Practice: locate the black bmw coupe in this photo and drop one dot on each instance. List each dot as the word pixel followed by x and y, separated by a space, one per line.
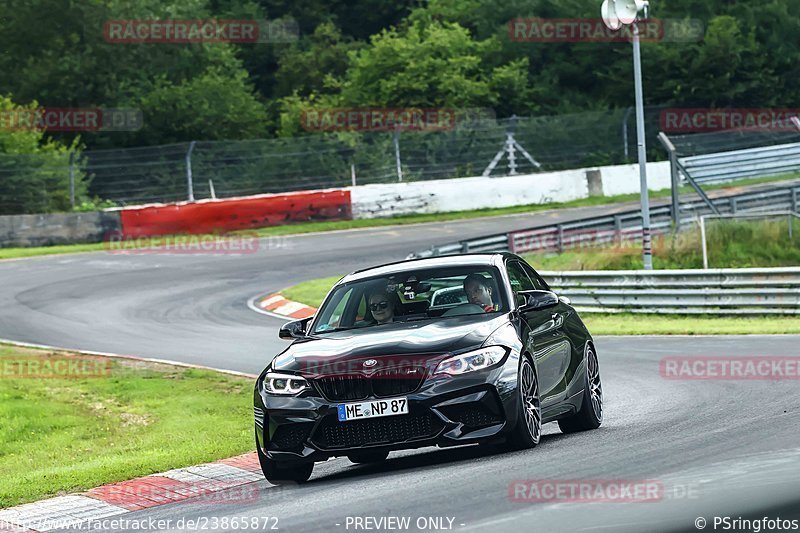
pixel 431 352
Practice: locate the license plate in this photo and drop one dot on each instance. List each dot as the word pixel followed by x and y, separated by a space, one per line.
pixel 374 409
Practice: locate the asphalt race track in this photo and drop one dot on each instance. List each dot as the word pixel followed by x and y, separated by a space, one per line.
pixel 715 447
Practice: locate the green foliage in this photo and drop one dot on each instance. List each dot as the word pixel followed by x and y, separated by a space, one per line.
pixel 95 204
pixel 216 105
pixel 34 175
pixel 407 53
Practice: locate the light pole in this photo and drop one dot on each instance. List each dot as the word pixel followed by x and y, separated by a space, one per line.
pixel 617 13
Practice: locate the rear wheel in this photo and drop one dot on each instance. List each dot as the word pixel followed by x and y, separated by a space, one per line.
pixel 368 456
pixel 590 414
pixel 528 430
pixel 279 474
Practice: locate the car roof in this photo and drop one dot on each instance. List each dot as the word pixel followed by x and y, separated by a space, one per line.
pixel 487 259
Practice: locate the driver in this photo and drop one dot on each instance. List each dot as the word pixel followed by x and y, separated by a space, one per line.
pixel 381 306
pixel 479 292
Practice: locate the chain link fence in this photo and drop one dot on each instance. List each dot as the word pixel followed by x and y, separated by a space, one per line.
pixel 223 169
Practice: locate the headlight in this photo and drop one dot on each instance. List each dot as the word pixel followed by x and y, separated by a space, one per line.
pixel 284 384
pixel 471 361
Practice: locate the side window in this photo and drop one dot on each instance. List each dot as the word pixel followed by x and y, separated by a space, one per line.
pixel 334 318
pixel 537 280
pixel 519 279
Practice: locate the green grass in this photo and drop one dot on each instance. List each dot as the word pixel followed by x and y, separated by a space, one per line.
pixel 65 434
pixel 635 324
pixel 310 292
pixel 16 253
pixel 731 244
pixel 314 227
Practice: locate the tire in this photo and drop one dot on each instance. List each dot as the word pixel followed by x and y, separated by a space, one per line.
pixel 528 430
pixel 278 474
pixel 368 456
pixel 590 414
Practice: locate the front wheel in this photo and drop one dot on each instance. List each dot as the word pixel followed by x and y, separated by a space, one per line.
pixel 590 414
pixel 279 474
pixel 528 430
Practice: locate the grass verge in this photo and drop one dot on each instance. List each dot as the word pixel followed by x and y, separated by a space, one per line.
pixel 314 227
pixel 72 432
pixel 731 244
pixel 642 324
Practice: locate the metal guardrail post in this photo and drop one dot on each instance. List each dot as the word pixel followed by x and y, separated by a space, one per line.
pixel 72 180
pixel 699 190
pixel 189 184
pixel 464 247
pixel 733 205
pixel 618 230
pixel 397 153
pixel 795 194
pixel 560 239
pixel 675 178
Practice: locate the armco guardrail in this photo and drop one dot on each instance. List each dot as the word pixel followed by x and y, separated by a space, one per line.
pixel 621 226
pixel 750 163
pixel 745 291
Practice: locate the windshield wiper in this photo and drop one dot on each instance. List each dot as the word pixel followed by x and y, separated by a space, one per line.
pixel 418 318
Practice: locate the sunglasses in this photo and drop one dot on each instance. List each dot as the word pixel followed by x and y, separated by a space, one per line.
pixel 379 305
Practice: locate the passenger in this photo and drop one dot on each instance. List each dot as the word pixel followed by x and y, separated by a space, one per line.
pixel 479 292
pixel 381 306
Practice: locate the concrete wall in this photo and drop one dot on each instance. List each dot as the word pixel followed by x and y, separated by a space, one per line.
pixel 372 201
pixel 56 228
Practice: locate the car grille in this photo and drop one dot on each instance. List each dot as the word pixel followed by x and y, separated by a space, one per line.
pixel 382 384
pixel 389 430
pixel 344 387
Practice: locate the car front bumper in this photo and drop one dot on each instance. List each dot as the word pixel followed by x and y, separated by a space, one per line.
pixel 443 411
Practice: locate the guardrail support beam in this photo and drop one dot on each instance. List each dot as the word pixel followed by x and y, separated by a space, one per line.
pixel 675 178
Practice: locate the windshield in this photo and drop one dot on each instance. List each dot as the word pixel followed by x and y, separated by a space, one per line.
pixel 429 294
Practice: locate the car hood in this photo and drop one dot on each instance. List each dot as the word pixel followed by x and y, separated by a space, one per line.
pixel 425 339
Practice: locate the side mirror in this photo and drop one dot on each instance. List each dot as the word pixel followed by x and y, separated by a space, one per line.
pixel 535 300
pixel 295 329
